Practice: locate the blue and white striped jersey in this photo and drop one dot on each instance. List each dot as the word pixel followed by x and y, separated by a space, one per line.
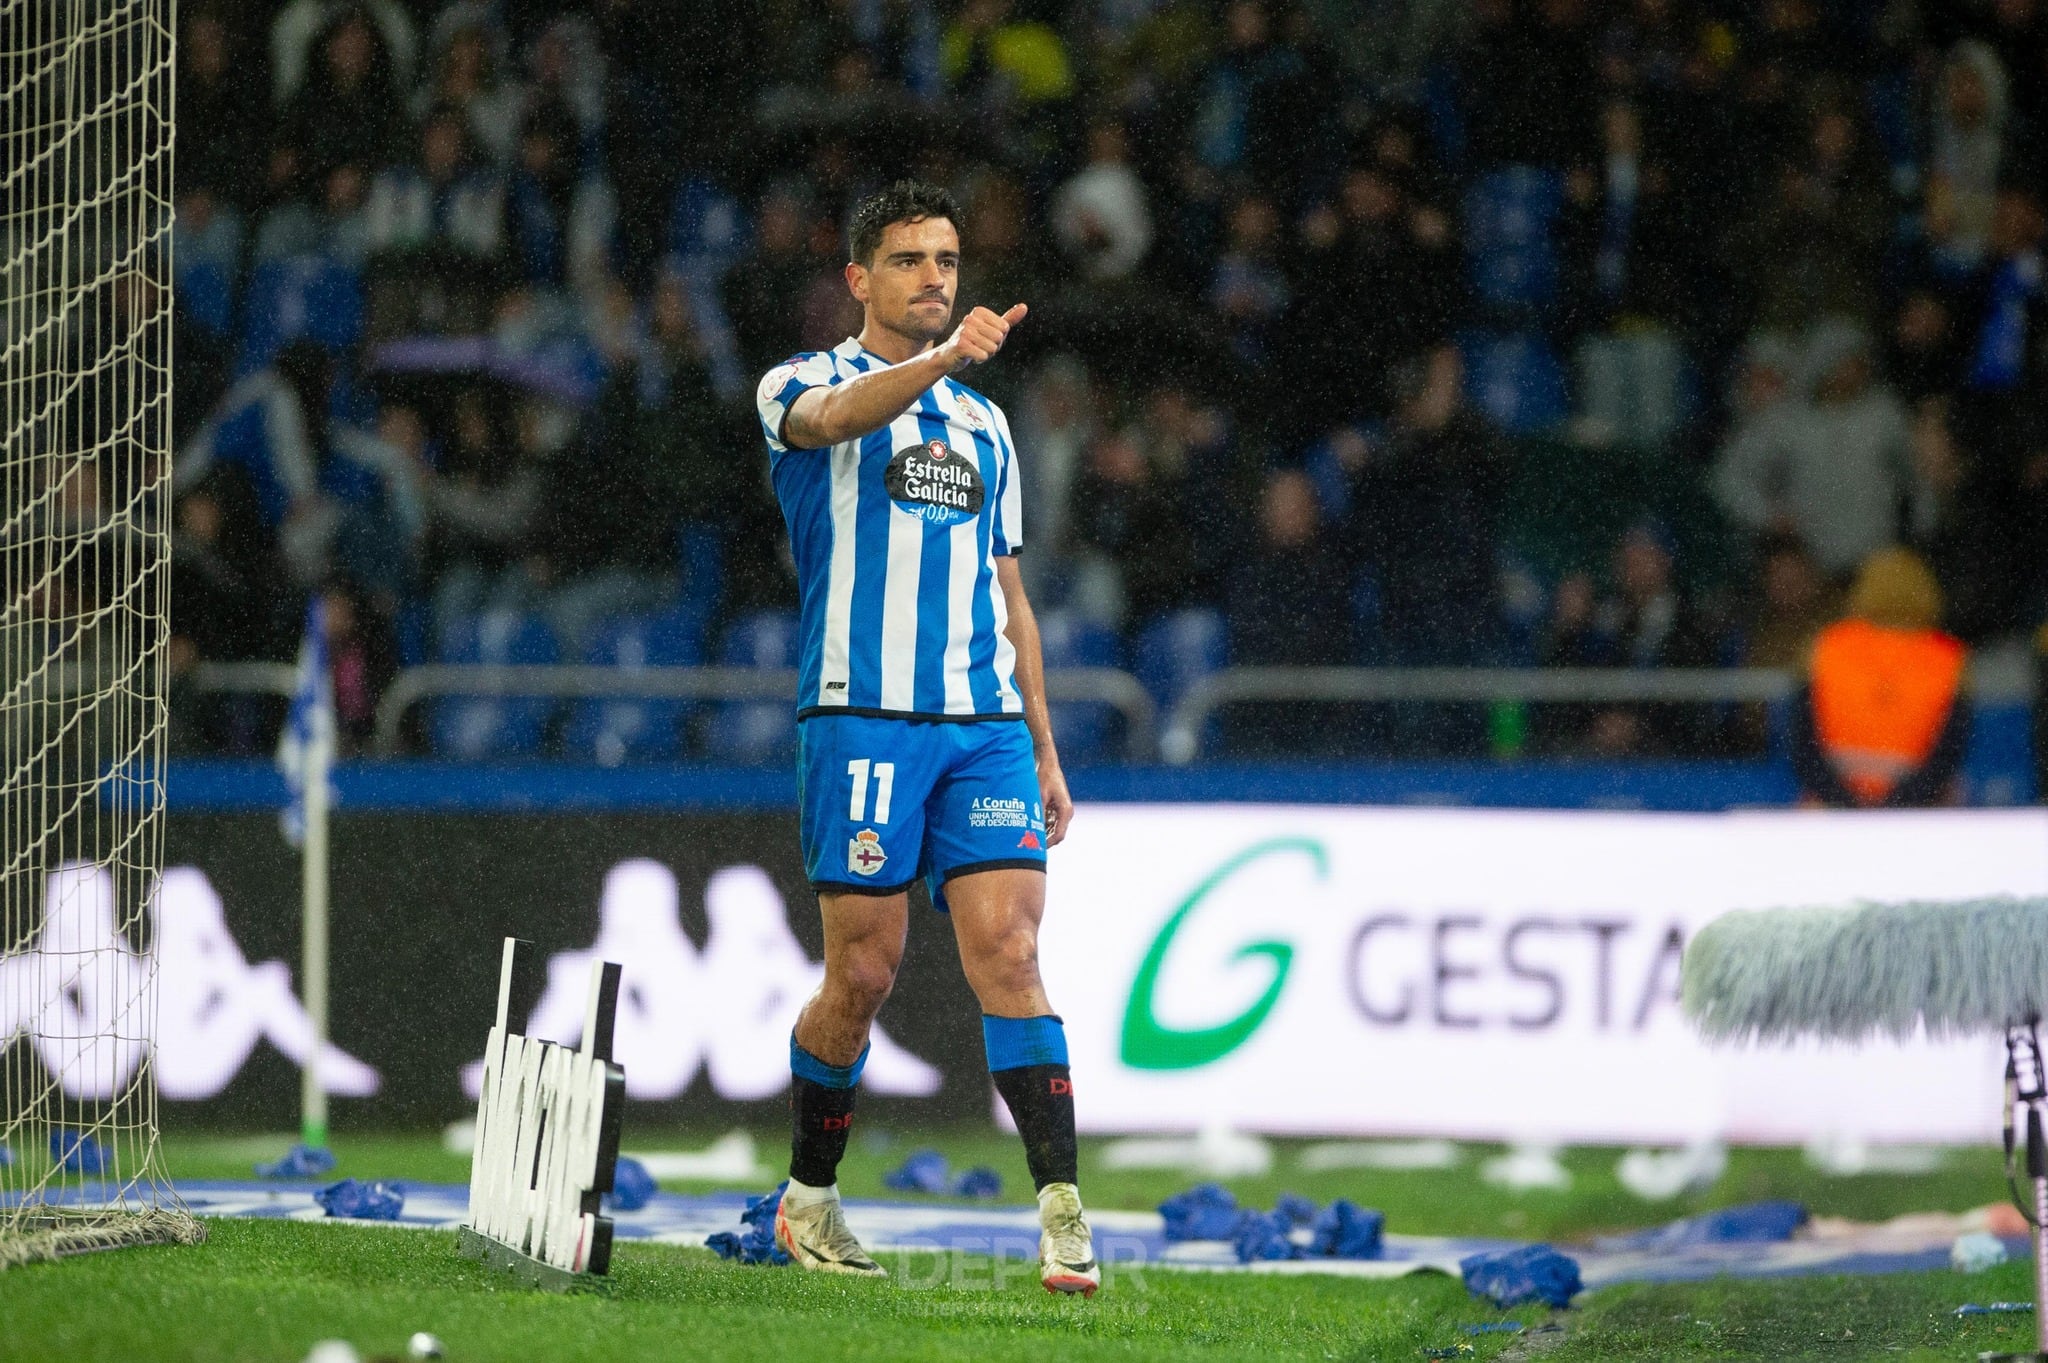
pixel 896 537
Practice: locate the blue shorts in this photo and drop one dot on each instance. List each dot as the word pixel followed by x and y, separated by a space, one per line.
pixel 886 801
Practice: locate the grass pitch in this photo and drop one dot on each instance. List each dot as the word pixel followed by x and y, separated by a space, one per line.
pixel 268 1290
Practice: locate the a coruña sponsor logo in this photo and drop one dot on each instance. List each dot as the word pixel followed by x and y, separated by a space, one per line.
pixel 935 482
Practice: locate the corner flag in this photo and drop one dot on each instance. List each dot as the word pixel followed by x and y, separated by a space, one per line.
pixel 305 750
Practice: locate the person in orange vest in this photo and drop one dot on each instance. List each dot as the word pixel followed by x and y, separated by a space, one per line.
pixel 1882 721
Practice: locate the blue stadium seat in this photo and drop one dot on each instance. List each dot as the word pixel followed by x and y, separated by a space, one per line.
pixel 206 291
pixel 299 296
pixel 707 227
pixel 1083 729
pixel 1174 651
pixel 1178 649
pixel 757 731
pixel 1515 378
pixel 1511 257
pixel 474 727
pixel 700 554
pixel 613 731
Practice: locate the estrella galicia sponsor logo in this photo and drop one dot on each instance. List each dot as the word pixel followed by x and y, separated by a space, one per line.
pixel 1148 1043
pixel 935 482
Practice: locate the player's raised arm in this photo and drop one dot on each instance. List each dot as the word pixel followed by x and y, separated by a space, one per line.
pixel 847 411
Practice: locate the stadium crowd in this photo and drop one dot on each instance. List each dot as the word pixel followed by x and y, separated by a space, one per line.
pixel 1380 331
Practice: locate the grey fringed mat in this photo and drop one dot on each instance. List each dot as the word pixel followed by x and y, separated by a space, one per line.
pixel 1952 968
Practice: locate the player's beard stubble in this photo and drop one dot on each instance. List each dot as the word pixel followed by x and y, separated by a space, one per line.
pixel 922 323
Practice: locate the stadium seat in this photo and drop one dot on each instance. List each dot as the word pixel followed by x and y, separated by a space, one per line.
pixel 700 554
pixel 299 296
pixel 707 227
pixel 474 727
pixel 1178 649
pixel 1174 651
pixel 1083 729
pixel 616 730
pixel 1511 257
pixel 757 731
pixel 206 291
pixel 1515 378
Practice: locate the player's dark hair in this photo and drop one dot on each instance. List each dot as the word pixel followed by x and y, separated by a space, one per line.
pixel 904 201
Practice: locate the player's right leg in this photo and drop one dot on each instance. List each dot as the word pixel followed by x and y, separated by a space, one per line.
pixel 862 797
pixel 864 937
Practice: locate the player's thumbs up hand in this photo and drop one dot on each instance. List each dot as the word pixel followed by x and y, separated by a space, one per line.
pixel 981 334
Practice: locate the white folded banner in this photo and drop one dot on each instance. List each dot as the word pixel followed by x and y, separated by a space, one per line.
pixel 1486 974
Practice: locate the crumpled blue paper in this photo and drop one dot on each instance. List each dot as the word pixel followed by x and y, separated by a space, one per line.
pixel 1206 1211
pixel 1263 1235
pixel 363 1201
pixel 301 1161
pixel 1494 1327
pixel 1752 1223
pixel 632 1186
pixel 1530 1273
pixel 925 1171
pixel 1997 1308
pixel 756 1244
pixel 1345 1230
pixel 77 1152
pixel 980 1181
pixel 6 1157
pixel 1298 1210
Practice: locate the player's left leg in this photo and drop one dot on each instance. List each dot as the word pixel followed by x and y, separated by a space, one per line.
pixel 996 915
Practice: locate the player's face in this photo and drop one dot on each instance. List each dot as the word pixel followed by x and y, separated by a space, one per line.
pixel 909 285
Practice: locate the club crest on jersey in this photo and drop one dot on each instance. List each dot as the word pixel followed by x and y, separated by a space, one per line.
pixel 864 854
pixel 969 413
pixel 935 482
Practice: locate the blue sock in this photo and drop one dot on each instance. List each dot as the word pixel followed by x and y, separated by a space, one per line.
pixel 820 1114
pixel 1027 1058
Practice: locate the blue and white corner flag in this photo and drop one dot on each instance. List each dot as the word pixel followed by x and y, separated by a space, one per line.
pixel 305 750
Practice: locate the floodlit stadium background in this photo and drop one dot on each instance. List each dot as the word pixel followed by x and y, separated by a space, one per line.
pixel 1494 338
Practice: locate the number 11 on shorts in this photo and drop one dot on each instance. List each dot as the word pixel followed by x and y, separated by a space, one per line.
pixel 885 784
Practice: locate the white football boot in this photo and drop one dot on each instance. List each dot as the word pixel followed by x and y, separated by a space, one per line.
pixel 1066 1249
pixel 815 1234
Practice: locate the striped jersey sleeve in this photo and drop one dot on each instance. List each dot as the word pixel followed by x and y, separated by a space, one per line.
pixel 784 384
pixel 1008 530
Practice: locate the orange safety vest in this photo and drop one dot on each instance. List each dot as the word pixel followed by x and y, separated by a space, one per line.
pixel 1880 699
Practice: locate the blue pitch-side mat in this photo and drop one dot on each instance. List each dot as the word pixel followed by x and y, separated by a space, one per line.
pixel 1124 1237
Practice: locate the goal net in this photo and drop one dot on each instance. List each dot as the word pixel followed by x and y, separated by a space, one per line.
pixel 85 334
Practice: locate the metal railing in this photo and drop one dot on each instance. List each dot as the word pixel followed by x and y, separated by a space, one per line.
pixel 1181 742
pixel 1097 685
pixel 247 679
pixel 1178 743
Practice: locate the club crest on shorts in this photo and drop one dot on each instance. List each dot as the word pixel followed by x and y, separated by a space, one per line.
pixel 864 854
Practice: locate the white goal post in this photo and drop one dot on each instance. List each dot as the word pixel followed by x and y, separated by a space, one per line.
pixel 85 351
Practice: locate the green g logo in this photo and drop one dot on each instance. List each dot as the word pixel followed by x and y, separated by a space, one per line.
pixel 1148 1044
